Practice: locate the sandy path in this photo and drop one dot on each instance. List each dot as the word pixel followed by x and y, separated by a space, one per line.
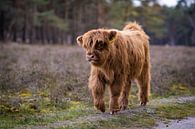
pixel 188 123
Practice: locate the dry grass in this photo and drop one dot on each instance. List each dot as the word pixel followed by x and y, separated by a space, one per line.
pixel 61 72
pixel 172 67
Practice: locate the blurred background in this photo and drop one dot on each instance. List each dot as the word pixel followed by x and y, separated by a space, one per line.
pixel 61 21
pixel 44 74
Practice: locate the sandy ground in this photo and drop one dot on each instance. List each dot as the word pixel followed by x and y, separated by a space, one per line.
pixel 188 123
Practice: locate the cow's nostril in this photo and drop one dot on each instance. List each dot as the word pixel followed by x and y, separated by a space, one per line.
pixel 92 56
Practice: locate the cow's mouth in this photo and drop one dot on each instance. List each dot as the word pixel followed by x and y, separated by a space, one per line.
pixel 94 61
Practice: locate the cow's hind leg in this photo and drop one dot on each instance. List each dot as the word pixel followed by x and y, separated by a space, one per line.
pixel 144 86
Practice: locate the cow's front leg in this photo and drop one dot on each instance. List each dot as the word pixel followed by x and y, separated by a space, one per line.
pixel 114 96
pixel 98 96
pixel 97 87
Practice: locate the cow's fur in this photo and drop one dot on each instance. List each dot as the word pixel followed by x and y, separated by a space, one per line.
pixel 117 58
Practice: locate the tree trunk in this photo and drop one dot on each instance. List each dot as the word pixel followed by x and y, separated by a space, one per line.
pixel 2 17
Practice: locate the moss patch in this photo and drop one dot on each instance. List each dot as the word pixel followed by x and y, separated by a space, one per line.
pixel 181 89
pixel 176 89
pixel 46 115
pixel 176 111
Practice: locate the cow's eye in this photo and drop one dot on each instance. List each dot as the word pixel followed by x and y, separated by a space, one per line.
pixel 100 45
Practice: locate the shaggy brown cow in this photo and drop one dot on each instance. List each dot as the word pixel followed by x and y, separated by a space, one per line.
pixel 117 58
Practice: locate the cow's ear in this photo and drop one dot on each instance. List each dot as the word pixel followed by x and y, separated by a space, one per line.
pixel 80 40
pixel 112 35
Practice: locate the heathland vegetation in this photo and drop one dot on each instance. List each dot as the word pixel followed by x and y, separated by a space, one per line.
pixel 45 84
